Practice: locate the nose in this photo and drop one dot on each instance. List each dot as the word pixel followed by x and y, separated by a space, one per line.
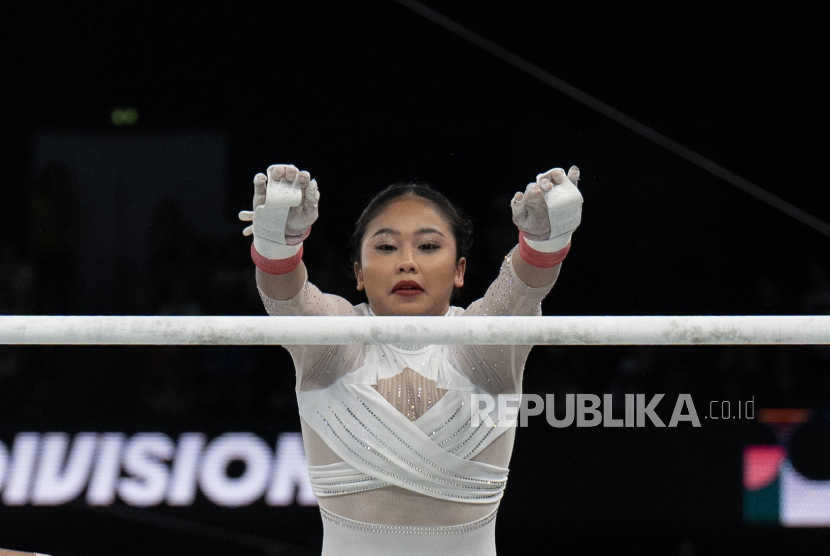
pixel 406 263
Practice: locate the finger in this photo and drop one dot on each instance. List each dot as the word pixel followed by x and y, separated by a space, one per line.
pixel 552 174
pixel 312 194
pixel 545 184
pixel 260 183
pixel 304 178
pixel 246 215
pixel 276 171
pixel 517 205
pixel 291 173
pixel 248 231
pixel 260 190
pixel 557 176
pixel 533 193
pixel 573 174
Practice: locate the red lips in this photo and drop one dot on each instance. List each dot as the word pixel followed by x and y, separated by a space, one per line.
pixel 407 287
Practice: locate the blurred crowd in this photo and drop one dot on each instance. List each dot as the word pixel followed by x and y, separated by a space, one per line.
pixel 193 275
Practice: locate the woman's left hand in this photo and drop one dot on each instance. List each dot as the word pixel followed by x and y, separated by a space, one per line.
pixel 550 207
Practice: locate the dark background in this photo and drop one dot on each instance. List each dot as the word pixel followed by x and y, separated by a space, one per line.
pixel 365 94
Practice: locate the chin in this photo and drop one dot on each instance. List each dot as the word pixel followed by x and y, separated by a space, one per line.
pixel 412 312
pixel 404 309
pixel 419 311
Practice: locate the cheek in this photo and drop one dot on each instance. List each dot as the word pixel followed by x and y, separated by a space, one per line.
pixel 368 265
pixel 445 268
pixel 371 269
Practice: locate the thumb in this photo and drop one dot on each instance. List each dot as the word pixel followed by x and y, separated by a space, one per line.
pixel 573 174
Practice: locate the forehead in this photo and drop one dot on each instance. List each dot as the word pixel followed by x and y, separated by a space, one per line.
pixel 410 213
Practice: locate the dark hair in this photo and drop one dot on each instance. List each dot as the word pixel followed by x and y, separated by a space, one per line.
pixel 461 224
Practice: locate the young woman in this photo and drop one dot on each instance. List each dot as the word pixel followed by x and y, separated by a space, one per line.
pixel 395 459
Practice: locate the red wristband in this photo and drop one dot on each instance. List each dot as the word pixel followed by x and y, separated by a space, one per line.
pixel 276 266
pixel 538 258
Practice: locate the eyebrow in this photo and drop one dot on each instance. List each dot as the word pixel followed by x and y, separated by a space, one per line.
pixel 422 231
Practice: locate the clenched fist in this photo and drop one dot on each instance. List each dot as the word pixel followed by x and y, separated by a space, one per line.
pixel 285 207
pixel 550 209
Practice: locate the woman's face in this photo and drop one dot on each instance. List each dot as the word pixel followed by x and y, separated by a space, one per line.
pixel 407 261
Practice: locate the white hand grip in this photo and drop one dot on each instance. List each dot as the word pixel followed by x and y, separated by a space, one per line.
pixel 564 203
pixel 280 196
pixel 281 192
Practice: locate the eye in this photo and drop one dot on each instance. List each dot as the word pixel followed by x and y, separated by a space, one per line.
pixel 429 246
pixel 385 247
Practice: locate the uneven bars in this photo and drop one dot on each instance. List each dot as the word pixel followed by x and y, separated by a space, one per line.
pixel 638 330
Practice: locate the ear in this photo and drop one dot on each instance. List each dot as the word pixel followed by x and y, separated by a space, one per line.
pixel 358 274
pixel 460 268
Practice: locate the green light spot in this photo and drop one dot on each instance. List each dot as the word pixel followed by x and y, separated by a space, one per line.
pixel 124 116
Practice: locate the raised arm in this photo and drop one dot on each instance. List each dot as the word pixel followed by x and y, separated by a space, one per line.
pixel 284 208
pixel 279 227
pixel 546 214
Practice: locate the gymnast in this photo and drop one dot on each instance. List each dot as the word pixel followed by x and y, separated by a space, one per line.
pixel 393 457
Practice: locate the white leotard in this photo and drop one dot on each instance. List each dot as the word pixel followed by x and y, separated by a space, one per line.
pixel 393 457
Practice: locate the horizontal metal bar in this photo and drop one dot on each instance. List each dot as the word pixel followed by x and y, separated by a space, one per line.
pixel 653 330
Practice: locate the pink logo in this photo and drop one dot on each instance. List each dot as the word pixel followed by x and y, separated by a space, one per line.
pixel 761 465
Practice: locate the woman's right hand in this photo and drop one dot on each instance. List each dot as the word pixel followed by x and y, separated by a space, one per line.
pixel 284 208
